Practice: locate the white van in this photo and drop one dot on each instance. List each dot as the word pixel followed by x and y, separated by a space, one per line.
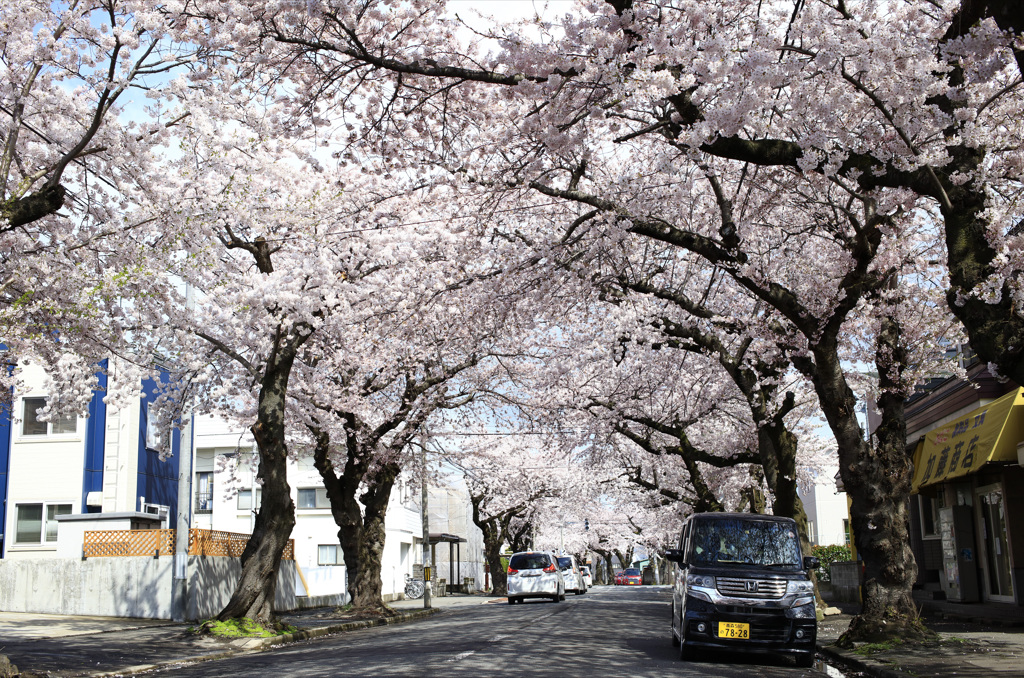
pixel 534 574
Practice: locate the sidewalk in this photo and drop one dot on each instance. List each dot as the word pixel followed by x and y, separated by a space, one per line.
pixel 65 646
pixel 973 640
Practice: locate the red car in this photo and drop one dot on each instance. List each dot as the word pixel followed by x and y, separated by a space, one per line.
pixel 618 577
pixel 632 577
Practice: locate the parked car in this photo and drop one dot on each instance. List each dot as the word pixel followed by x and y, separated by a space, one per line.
pixel 618 576
pixel 534 574
pixel 571 572
pixel 743 585
pixel 587 577
pixel 631 577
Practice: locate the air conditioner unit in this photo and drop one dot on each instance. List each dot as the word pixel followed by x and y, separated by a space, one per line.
pixel 158 510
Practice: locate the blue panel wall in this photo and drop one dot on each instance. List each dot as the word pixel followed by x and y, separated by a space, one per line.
pixel 5 466
pixel 158 480
pixel 95 441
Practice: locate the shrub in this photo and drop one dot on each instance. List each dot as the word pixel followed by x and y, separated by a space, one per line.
pixel 828 555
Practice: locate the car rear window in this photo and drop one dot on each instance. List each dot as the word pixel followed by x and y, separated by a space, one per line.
pixel 529 561
pixel 565 563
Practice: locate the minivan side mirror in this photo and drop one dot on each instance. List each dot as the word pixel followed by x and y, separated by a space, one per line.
pixel 811 562
pixel 675 556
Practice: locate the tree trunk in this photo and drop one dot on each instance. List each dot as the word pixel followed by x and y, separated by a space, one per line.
pixel 261 560
pixel 994 328
pixel 880 521
pixel 878 484
pixel 362 535
pixel 493 538
pixel 20 211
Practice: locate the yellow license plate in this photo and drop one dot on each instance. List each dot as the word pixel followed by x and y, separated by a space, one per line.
pixel 734 630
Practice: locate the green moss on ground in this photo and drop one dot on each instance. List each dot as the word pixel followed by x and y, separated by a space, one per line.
pixel 241 628
pixel 868 649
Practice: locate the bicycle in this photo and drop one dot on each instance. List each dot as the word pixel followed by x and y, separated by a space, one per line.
pixel 413 587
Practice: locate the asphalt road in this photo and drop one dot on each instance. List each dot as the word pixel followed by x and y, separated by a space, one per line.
pixel 610 631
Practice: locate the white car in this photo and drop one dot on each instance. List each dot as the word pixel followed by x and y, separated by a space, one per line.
pixel 534 574
pixel 573 577
pixel 587 577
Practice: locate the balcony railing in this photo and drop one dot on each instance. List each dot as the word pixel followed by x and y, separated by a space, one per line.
pixel 204 502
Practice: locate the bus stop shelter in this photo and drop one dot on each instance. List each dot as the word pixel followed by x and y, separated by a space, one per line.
pixel 454 542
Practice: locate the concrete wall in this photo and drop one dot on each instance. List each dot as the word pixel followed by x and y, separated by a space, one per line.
pixel 112 587
pixel 126 587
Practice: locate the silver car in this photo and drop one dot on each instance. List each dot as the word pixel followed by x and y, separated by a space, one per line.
pixel 587 577
pixel 534 574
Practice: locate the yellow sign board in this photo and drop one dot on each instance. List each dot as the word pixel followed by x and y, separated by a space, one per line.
pixel 961 447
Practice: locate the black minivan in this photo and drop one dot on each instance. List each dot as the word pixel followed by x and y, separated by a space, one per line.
pixel 743 585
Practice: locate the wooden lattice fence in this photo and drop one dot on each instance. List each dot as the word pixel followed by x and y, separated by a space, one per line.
pixel 116 543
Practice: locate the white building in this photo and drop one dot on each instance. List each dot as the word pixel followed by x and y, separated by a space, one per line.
pixel 223 488
pixel 827 512
pixel 451 517
pixel 103 462
pixel 100 461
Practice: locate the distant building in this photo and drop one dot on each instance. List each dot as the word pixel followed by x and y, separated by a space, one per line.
pixel 827 512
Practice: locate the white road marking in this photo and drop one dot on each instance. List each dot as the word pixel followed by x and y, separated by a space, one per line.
pixel 461 655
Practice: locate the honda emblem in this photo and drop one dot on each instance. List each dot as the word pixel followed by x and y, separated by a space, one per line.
pixel 751 586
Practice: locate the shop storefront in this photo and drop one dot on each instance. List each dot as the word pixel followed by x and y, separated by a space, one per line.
pixel 968 504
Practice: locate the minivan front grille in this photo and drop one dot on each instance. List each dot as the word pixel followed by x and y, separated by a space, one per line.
pixel 751 588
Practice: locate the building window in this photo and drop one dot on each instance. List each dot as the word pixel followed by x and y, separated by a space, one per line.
pixel 846 531
pixel 313 498
pixel 204 492
pixel 929 516
pixel 330 554
pixel 157 437
pixel 32 425
pixel 30 526
pixel 245 500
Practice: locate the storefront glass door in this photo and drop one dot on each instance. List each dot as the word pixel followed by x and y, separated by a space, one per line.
pixel 996 551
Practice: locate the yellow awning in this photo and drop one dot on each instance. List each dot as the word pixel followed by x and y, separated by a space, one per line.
pixel 961 447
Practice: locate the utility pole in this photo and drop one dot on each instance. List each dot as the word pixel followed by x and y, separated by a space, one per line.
pixel 179 576
pixel 426 522
pixel 183 523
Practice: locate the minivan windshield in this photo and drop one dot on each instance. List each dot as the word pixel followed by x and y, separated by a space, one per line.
pixel 763 543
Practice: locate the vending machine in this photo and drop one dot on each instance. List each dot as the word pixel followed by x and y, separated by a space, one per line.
pixel 959 574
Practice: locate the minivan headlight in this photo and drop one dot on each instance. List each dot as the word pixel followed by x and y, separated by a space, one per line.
pixel 700 580
pixel 800 587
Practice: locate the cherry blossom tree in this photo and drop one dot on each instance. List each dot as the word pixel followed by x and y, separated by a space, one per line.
pixel 509 483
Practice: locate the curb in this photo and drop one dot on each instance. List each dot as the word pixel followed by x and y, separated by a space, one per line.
pixel 248 645
pixel 857 663
pixel 263 643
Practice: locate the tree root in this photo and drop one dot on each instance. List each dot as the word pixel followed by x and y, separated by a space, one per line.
pixel 891 626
